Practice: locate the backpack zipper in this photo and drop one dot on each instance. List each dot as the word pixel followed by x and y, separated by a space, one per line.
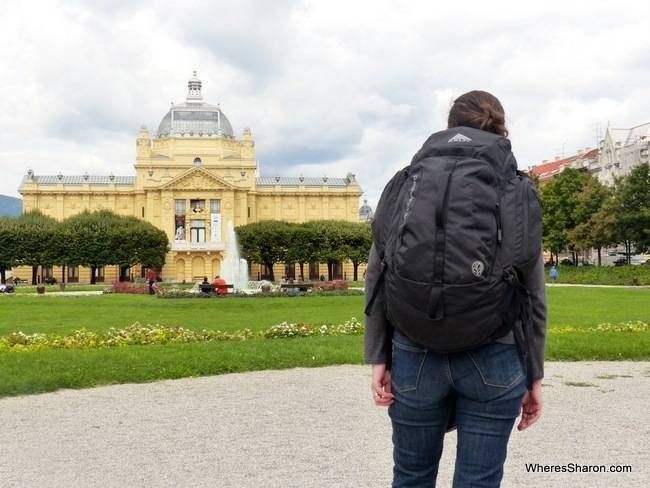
pixel 497 213
pixel 407 210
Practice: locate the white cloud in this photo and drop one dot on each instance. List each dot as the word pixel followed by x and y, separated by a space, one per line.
pixel 326 87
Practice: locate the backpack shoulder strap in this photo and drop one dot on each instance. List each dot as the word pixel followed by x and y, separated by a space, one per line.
pixel 381 224
pixel 385 211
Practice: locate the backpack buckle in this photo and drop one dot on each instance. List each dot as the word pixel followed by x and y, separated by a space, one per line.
pixel 510 276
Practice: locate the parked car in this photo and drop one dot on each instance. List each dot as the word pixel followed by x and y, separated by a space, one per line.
pixel 567 262
pixel 620 262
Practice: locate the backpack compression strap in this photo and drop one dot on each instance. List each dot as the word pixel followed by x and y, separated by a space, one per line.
pixel 436 305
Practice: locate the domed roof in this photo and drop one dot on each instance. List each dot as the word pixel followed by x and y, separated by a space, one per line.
pixel 365 212
pixel 195 117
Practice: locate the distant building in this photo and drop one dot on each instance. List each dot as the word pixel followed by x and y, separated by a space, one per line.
pixel 583 159
pixel 191 179
pixel 621 150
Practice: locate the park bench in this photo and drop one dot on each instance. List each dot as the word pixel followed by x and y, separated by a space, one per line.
pixel 210 288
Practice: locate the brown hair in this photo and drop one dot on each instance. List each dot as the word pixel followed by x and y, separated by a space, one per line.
pixel 480 110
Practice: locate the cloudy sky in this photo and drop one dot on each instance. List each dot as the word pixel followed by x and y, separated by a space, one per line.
pixel 326 87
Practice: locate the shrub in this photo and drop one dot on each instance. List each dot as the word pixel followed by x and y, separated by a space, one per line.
pixel 282 294
pixel 603 275
pixel 331 285
pixel 125 287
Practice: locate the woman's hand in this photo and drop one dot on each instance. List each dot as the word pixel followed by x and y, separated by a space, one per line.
pixel 381 385
pixel 531 406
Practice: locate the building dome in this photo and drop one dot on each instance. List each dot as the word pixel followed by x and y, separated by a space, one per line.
pixel 194 117
pixel 365 212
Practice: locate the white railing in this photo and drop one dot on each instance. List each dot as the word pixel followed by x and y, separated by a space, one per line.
pixel 197 246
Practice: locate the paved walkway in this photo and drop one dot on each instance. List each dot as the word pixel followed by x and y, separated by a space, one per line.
pixel 301 428
pixel 596 286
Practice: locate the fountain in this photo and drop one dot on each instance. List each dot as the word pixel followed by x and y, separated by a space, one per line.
pixel 234 269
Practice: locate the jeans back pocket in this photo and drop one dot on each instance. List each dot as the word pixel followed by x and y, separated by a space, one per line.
pixel 408 361
pixel 498 364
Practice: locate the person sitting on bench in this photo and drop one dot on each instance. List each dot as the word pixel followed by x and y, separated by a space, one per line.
pixel 219 285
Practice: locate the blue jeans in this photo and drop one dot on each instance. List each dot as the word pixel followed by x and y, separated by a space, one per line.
pixel 481 389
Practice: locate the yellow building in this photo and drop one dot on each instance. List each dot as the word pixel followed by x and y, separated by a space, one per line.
pixel 192 178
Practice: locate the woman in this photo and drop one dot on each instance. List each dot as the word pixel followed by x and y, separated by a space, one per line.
pixel 481 391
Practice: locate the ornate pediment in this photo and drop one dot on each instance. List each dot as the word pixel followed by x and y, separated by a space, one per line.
pixel 196 179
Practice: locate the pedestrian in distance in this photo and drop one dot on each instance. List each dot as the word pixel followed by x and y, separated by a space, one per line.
pixel 553 273
pixel 455 317
pixel 151 279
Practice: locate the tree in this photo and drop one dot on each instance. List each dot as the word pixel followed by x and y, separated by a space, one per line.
pixel 633 198
pixel 8 240
pixel 595 225
pixel 358 240
pixel 299 246
pixel 265 242
pixel 88 240
pixel 600 230
pixel 35 234
pixel 570 199
pixel 95 239
pixel 329 242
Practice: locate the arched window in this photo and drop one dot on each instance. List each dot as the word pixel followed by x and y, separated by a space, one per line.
pixel 197 161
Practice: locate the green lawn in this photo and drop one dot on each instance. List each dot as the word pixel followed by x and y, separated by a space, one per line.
pixel 47 370
pixel 41 371
pixel 63 314
pixel 567 307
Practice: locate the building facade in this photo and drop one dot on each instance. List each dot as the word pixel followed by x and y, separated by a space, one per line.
pixel 621 150
pixel 193 179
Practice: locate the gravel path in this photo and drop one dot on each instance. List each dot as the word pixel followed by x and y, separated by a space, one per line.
pixel 301 428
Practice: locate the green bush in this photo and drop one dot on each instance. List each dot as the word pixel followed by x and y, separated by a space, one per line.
pixel 603 275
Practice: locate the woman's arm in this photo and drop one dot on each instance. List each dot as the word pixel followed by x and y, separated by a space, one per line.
pixel 378 331
pixel 534 283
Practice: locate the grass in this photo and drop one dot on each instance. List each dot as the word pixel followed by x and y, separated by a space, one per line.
pixel 580 307
pixel 48 370
pixel 65 314
pixel 567 307
pixel 581 384
pixel 42 371
pixel 598 346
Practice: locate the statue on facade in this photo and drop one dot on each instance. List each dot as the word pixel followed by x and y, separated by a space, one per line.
pixel 180 233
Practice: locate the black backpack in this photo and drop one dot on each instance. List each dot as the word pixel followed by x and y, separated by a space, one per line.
pixel 455 230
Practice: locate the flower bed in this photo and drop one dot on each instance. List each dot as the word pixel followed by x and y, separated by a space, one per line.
pixel 138 334
pixel 126 287
pixel 331 285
